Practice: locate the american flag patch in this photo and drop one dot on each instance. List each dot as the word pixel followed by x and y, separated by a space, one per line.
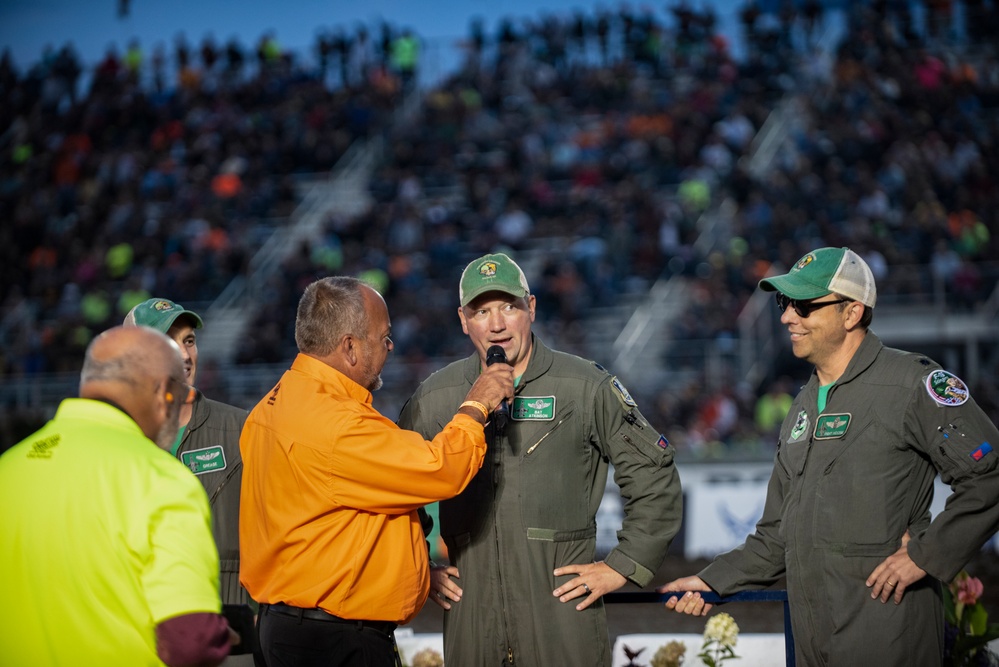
pixel 664 443
pixel 982 450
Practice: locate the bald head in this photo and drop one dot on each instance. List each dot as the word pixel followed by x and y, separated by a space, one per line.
pixel 136 368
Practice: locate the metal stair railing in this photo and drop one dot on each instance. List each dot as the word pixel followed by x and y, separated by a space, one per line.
pixel 648 320
pixel 638 332
pixel 342 189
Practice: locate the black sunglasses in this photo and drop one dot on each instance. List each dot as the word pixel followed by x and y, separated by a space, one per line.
pixel 803 308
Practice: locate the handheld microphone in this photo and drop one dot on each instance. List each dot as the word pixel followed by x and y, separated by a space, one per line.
pixel 496 355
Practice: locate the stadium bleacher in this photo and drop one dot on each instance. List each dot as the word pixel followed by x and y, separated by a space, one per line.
pixel 645 177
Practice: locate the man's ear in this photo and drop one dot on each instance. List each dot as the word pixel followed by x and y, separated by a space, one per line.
pixel 348 348
pixel 163 402
pixel 854 313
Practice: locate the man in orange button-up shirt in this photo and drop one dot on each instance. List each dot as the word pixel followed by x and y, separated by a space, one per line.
pixel 331 542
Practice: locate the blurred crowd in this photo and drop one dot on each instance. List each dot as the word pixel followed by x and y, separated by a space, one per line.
pixel 590 145
pixel 149 183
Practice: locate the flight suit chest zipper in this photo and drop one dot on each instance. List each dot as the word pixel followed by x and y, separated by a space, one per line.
pixel 218 489
pixel 553 429
pixel 506 626
pixel 800 525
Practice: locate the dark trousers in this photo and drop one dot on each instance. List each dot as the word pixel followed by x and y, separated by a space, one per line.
pixel 292 637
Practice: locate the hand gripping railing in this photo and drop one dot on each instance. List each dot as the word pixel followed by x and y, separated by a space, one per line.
pixel 714 598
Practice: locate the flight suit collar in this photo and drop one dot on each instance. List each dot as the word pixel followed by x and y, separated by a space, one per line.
pixel 199 411
pixel 862 359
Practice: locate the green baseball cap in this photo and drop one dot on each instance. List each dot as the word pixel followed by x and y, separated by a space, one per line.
pixel 492 273
pixel 825 271
pixel 160 314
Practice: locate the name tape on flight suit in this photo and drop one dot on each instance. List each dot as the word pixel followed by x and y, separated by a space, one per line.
pixel 200 461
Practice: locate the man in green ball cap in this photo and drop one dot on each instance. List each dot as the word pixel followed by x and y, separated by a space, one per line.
pixel 207 443
pixel 847 515
pixel 524 585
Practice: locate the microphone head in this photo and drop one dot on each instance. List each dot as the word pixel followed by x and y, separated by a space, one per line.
pixel 495 355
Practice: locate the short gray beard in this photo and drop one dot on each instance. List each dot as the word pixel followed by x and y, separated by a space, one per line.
pixel 167 435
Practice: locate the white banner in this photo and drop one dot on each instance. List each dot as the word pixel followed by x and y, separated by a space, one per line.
pixel 722 503
pixel 720 516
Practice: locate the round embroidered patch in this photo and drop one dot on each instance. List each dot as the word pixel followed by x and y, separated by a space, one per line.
pixel 946 388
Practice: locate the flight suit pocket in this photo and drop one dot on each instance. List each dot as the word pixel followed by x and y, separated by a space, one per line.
pixel 863 490
pixel 553 471
pixel 961 455
pixel 564 547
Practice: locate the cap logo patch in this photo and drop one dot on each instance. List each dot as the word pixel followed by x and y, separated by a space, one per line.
pixel 163 305
pixel 488 269
pixel 947 389
pixel 804 261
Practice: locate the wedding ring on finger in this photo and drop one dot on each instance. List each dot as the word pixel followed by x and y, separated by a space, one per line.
pixel 889 583
pixel 587 589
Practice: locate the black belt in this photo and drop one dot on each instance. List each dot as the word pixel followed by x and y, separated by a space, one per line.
pixel 384 627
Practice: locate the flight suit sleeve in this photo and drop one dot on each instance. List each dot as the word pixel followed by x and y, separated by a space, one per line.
pixel 650 484
pixel 407 416
pixel 944 422
pixel 759 561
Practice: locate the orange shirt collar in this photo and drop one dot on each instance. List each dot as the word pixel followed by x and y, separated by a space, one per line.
pixel 327 376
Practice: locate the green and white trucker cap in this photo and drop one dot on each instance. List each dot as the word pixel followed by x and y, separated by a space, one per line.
pixel 824 271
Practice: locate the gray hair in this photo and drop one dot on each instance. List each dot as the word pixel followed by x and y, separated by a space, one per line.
pixel 330 308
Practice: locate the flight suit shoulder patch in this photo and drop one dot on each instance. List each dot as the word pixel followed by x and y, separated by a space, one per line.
pixel 623 394
pixel 946 388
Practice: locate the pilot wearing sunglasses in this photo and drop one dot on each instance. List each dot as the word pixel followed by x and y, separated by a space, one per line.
pixel 847 516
